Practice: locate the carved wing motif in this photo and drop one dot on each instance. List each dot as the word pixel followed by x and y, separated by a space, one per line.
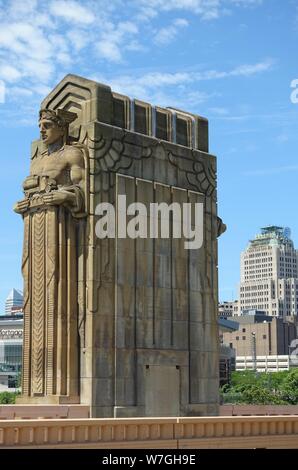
pixel 200 175
pixel 114 155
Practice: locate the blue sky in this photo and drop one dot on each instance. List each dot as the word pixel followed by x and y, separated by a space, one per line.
pixel 230 60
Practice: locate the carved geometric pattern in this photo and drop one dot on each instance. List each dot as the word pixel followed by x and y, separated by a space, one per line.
pixel 27 310
pixel 38 302
pixel 50 299
pixel 199 175
pixel 114 155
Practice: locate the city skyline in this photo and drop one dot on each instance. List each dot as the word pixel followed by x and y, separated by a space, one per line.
pixel 222 60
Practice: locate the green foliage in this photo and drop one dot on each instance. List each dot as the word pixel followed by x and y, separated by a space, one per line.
pixel 289 387
pixel 8 398
pixel 250 387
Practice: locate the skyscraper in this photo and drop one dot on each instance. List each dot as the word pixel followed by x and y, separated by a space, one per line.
pixel 269 280
pixel 13 301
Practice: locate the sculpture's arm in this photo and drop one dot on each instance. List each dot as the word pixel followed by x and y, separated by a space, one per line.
pixel 77 166
pixel 72 195
pixel 21 206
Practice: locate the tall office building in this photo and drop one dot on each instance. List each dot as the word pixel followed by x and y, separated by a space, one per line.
pixel 228 309
pixel 14 302
pixel 269 280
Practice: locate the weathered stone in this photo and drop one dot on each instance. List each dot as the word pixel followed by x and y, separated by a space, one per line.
pixel 138 315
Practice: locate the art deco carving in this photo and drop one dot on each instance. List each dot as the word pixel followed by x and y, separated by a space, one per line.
pixel 122 305
pixel 115 155
pixel 54 205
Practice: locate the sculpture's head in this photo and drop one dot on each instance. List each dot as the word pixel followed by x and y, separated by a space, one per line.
pixel 52 128
pixel 53 125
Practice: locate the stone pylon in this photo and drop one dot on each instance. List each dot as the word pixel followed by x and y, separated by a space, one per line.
pixel 125 325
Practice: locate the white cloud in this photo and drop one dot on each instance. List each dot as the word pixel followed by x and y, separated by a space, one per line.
pixel 109 50
pixel 126 27
pixel 42 89
pixel 245 70
pixel 148 87
pixel 158 79
pixel 60 48
pixel 2 91
pixel 179 89
pixel 246 3
pixel 165 79
pixel 17 92
pixel 114 38
pixel 206 9
pixel 146 13
pixel 271 171
pixel 78 39
pixel 218 111
pixel 162 89
pixel 71 11
pixel 166 35
pixel 44 40
pixel 135 45
pixel 9 73
pixel 36 69
pixel 18 8
pixel 24 39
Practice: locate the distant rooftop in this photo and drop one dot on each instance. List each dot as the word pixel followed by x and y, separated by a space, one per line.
pixel 272 228
pixel 14 300
pixel 227 325
pixel 273 235
pixel 15 294
pixel 254 316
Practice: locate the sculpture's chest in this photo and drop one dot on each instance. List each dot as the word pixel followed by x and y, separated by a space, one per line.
pixel 53 165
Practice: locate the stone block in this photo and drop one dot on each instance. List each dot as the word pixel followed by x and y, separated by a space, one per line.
pixel 146 308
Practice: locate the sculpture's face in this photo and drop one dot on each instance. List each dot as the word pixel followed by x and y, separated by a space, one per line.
pixel 49 131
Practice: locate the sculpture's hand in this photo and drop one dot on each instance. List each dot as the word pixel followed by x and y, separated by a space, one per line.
pixel 21 206
pixel 56 198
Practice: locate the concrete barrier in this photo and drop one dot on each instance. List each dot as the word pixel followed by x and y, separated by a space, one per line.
pixel 152 433
pixel 43 411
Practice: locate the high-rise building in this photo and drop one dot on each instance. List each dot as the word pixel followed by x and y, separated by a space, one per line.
pixel 228 309
pixel 14 302
pixel 269 279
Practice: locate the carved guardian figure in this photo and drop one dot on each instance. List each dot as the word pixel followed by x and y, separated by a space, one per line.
pixel 119 324
pixel 53 211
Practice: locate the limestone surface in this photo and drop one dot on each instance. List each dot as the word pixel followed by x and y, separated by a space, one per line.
pixel 126 326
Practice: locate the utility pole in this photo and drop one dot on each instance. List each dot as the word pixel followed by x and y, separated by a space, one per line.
pixel 254 350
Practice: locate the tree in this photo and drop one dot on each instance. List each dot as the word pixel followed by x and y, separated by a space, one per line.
pixel 7 398
pixel 263 388
pixel 289 388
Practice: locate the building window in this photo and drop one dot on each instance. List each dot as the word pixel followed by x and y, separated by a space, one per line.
pixel 243 337
pixel 243 330
pixel 237 338
pixel 264 336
